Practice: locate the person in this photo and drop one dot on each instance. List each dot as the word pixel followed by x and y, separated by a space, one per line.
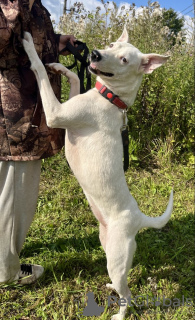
pixel 25 138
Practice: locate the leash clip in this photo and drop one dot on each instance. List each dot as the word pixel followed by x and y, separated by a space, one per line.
pixel 125 125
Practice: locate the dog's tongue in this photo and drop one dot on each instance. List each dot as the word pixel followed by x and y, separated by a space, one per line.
pixel 95 68
pixel 93 65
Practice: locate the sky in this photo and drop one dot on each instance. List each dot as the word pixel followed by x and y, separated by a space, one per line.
pixel 177 5
pixel 182 7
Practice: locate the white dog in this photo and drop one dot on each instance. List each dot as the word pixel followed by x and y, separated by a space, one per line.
pixel 94 146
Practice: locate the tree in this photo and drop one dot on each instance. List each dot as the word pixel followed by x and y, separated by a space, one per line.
pixel 175 24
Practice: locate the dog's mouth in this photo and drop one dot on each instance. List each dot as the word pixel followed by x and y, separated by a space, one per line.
pixel 95 70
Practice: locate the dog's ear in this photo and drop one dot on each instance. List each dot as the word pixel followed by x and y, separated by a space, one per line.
pixel 124 36
pixel 152 61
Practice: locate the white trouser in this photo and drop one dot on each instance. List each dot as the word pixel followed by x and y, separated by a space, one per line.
pixel 19 187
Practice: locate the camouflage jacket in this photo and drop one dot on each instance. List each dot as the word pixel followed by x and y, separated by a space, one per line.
pixel 24 134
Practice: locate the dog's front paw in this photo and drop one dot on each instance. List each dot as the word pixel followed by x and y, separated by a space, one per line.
pixel 60 69
pixel 28 37
pixel 56 68
pixel 27 42
pixel 29 47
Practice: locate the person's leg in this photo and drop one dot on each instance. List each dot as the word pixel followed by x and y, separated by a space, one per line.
pixel 19 187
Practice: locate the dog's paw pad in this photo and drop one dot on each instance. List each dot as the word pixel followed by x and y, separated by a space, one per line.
pixel 54 67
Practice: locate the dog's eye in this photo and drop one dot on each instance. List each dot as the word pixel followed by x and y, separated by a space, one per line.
pixel 124 60
pixel 111 45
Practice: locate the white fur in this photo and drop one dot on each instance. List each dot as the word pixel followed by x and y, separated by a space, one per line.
pixel 94 148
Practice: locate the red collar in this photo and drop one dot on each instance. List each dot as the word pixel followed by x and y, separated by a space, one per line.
pixel 109 95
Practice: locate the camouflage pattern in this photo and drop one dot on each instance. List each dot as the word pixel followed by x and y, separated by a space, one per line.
pixel 24 134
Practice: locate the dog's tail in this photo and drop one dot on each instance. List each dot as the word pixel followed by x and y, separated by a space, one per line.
pixel 159 222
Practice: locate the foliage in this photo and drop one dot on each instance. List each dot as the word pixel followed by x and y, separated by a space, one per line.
pixel 164 106
pixel 175 24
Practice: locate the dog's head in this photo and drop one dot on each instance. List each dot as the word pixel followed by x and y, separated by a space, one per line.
pixel 121 64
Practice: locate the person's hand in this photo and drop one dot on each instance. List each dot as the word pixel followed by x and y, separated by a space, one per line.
pixel 63 41
pixel 11 10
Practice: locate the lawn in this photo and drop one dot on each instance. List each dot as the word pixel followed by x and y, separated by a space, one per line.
pixel 64 239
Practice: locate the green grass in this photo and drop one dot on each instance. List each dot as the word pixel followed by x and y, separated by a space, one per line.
pixel 64 239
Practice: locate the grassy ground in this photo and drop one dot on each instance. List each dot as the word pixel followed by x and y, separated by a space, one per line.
pixel 64 239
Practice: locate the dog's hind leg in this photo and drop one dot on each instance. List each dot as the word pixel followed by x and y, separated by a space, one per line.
pixel 119 252
pixel 103 235
pixel 103 225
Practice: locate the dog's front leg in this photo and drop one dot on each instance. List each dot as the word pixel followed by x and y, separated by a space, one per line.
pixel 72 77
pixel 53 109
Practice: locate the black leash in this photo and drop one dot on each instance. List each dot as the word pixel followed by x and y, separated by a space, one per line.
pixel 125 140
pixel 81 46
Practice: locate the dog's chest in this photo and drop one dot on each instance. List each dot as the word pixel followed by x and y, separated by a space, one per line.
pixel 93 153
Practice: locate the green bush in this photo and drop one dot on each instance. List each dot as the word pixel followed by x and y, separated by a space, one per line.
pixel 164 105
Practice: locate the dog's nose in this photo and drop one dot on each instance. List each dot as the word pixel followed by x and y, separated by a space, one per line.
pixel 95 56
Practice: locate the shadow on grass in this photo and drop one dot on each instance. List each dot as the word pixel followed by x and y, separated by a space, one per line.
pixel 71 256
pixel 90 242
